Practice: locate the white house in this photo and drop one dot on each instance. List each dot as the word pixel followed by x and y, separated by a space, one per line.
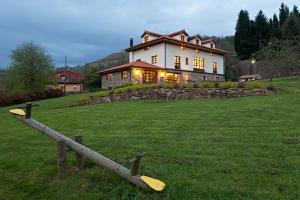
pixel 172 58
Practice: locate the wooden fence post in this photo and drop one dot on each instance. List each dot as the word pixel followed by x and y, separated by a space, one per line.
pixel 28 110
pixel 136 164
pixel 61 158
pixel 79 157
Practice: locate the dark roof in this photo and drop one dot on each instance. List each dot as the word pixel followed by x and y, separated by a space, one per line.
pixel 151 33
pixel 194 37
pixel 178 33
pixel 135 64
pixel 208 41
pixel 169 40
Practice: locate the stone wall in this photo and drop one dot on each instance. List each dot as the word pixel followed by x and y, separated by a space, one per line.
pixel 178 93
pixel 116 80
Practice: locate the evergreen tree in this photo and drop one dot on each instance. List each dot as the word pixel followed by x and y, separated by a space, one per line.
pixel 291 30
pixel 295 11
pixel 275 30
pixel 262 30
pixel 243 35
pixel 284 13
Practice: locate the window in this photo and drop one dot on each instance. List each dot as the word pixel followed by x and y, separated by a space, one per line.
pixel 203 78
pixel 198 64
pixel 217 78
pixel 109 77
pixel 182 38
pixel 146 48
pixel 188 77
pixel 211 54
pixel 197 41
pixel 75 87
pixel 177 62
pixel 211 45
pixel 146 39
pixel 123 74
pixel 214 67
pixel 187 61
pixel 202 63
pixel 154 59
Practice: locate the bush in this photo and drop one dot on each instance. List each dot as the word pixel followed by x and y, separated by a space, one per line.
pixel 241 85
pixel 84 99
pixel 271 87
pixel 227 85
pixel 196 85
pixel 256 85
pixel 10 98
pixel 207 85
pixel 216 85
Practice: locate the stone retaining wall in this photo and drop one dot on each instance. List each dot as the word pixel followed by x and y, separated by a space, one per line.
pixel 178 93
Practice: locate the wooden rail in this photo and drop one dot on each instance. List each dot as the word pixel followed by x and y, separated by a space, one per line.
pixel 82 151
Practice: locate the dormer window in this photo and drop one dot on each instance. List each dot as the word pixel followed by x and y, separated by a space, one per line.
pixel 197 41
pixel 182 38
pixel 146 38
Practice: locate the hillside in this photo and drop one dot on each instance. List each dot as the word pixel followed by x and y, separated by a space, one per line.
pixel 243 148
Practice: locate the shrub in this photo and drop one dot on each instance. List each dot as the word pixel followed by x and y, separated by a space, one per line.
pixel 111 92
pixel 271 87
pixel 83 99
pixel 216 85
pixel 241 85
pixel 227 85
pixel 256 85
pixel 207 85
pixel 196 85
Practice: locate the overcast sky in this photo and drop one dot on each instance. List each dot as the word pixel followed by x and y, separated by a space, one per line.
pixel 86 30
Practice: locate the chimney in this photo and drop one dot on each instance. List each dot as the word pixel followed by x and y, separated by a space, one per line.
pixel 131 42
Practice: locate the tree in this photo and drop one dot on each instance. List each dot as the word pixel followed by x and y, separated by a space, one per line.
pixel 284 13
pixel 243 35
pixel 31 68
pixel 92 78
pixel 295 11
pixel 262 30
pixel 275 28
pixel 291 29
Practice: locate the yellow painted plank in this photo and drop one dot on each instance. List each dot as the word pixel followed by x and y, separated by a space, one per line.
pixel 153 183
pixel 18 112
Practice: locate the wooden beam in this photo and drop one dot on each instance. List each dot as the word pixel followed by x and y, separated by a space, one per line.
pixel 88 153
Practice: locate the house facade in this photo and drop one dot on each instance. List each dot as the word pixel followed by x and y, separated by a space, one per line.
pixel 173 58
pixel 69 81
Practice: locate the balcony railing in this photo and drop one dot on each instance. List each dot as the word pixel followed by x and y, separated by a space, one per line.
pixel 199 70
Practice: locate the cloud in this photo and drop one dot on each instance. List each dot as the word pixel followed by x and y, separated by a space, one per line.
pixel 88 30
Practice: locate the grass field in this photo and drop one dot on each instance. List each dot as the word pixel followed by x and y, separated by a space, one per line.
pixel 245 148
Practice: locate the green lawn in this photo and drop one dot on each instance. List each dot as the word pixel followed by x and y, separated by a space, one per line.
pixel 245 148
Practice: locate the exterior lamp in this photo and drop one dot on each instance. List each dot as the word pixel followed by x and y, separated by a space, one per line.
pixel 253 61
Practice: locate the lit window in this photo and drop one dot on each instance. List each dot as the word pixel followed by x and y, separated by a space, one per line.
pixel 154 59
pixel 187 61
pixel 197 41
pixel 177 62
pixel 196 64
pixel 211 54
pixel 214 67
pixel 188 77
pixel 182 38
pixel 123 74
pixel 146 39
pixel 74 87
pixel 202 63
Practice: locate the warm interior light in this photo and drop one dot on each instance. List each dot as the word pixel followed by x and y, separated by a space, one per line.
pixel 197 51
pixel 162 74
pixel 137 72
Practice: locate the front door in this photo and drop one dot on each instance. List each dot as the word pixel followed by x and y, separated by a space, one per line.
pixel 149 76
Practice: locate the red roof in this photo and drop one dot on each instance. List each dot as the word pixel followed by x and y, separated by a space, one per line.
pixel 70 76
pixel 208 41
pixel 151 33
pixel 194 37
pixel 178 33
pixel 135 64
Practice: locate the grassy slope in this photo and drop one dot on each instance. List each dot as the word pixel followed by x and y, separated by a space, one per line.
pixel 224 149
